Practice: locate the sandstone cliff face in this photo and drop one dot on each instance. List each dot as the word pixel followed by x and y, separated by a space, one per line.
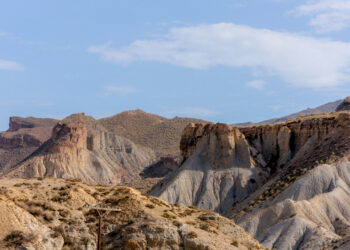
pixel 80 148
pixel 16 123
pixel 24 136
pixel 217 172
pixel 223 165
pixel 26 132
pixel 280 143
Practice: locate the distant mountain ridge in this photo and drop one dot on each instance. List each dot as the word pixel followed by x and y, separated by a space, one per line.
pixel 325 108
pixel 152 131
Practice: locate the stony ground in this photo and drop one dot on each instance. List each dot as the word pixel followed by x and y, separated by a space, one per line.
pixel 52 214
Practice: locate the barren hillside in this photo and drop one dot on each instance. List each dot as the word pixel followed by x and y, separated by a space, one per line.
pixel 249 172
pixel 52 214
pixel 155 132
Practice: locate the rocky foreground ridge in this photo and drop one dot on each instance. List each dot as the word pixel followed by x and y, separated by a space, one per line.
pixel 81 148
pixel 50 214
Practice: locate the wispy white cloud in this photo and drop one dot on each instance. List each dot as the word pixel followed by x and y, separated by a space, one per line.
pixel 256 84
pixel 275 107
pixel 299 60
pixel 10 65
pixel 326 15
pixel 119 90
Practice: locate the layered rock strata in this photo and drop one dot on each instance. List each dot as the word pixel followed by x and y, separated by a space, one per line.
pixel 223 165
pixel 311 213
pixel 218 169
pixel 81 148
pixel 24 136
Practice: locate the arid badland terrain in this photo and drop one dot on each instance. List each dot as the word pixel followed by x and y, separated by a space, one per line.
pixel 179 183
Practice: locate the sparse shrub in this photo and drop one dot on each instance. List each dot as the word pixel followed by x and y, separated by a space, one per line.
pixel 48 217
pixel 182 214
pixel 149 206
pixel 96 195
pixel 188 212
pixel 90 219
pixel 58 229
pixel 131 244
pixel 35 211
pixel 206 217
pixel 204 227
pixel 157 201
pixel 177 223
pixel 67 241
pixel 74 180
pixel 61 196
pixel 235 242
pixel 167 216
pixel 18 238
pixel 43 205
pixel 55 234
pixel 113 201
pixel 85 240
pixel 192 235
pixel 145 225
pixel 63 213
pixel 15 238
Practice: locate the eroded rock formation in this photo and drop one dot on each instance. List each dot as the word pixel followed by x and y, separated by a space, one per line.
pixel 345 105
pixel 25 135
pixel 223 165
pixel 218 169
pixel 81 148
pixel 314 211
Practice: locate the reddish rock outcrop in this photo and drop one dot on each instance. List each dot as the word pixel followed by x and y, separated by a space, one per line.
pixel 16 123
pixel 24 136
pixel 80 148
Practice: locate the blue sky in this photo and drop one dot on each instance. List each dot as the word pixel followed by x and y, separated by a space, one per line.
pixel 226 60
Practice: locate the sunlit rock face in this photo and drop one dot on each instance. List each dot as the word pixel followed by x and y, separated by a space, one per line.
pixel 218 169
pixel 80 148
pixel 345 105
pixel 222 165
